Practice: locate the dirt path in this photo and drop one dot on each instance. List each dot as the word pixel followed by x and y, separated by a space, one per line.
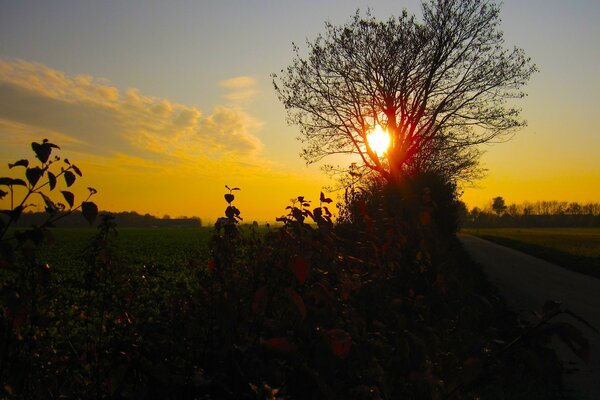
pixel 527 282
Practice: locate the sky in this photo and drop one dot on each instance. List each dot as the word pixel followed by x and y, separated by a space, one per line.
pixel 163 103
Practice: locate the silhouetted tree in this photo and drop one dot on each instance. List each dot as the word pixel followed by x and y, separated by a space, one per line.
pixel 498 205
pixel 439 87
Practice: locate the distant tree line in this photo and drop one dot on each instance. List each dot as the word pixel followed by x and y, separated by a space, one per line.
pixel 125 219
pixel 532 214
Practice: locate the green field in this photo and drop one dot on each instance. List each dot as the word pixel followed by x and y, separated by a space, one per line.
pixel 138 246
pixel 575 248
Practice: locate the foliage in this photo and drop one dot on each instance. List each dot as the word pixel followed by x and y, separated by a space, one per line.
pixel 536 214
pixel 383 306
pixel 498 205
pixel 26 295
pixel 439 86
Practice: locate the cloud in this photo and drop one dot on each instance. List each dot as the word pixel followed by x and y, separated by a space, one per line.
pixel 97 118
pixel 241 89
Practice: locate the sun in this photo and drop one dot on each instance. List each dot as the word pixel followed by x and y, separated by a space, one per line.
pixel 379 140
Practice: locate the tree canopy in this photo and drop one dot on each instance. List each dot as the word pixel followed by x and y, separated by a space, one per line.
pixel 439 86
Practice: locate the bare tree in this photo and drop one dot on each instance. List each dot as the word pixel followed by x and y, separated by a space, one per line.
pixel 439 86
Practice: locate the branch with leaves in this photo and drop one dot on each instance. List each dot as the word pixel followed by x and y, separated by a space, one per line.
pixel 41 180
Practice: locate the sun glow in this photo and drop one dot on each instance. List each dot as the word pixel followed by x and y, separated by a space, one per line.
pixel 379 140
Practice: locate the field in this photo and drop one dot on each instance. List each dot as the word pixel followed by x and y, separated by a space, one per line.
pixel 165 247
pixel 577 249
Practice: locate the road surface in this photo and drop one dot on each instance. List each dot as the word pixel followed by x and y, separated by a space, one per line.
pixel 527 283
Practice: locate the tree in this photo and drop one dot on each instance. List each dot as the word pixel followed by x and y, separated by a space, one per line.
pixel 439 87
pixel 498 205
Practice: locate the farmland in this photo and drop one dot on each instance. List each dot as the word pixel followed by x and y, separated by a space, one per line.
pixel 577 249
pixel 168 247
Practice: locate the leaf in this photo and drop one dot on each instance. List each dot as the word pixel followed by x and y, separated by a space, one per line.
pixel 66 160
pixel 298 302
pixel 92 190
pixel 51 180
pixel 324 199
pixel 33 175
pixel 211 265
pixel 280 345
pixel 12 182
pixel 229 198
pixel 2 194
pixel 51 208
pixel 69 178
pixel 339 342
pixel 259 301
pixel 42 151
pixel 20 163
pixel 77 170
pixel 69 197
pixel 300 268
pixel 425 217
pixel 89 210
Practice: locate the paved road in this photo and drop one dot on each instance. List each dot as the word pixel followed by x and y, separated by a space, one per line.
pixel 527 282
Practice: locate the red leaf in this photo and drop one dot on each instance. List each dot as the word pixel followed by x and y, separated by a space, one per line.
pixel 280 345
pixel 300 268
pixel 298 302
pixel 259 302
pixel 339 342
pixel 425 217
pixel 211 265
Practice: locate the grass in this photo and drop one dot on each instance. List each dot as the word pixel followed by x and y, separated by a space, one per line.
pixel 577 249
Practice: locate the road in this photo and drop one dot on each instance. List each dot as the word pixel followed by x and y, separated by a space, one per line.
pixel 527 283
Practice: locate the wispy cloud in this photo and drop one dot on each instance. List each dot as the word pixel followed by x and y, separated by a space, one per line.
pixel 241 89
pixel 96 117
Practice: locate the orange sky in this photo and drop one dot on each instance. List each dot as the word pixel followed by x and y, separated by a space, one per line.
pixel 163 105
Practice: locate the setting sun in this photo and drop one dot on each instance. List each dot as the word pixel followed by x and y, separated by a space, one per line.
pixel 379 140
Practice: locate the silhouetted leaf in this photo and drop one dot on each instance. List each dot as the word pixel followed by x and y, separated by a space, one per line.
pixel 51 207
pixel 69 197
pixel 77 170
pixel 33 175
pixel 20 163
pixel 339 342
pixel 280 345
pixel 259 301
pixel 324 199
pixel 298 302
pixel 66 160
pixel 2 194
pixel 42 151
pixel 89 210
pixel 92 190
pixel 211 265
pixel 12 182
pixel 229 198
pixel 69 178
pixel 51 180
pixel 300 268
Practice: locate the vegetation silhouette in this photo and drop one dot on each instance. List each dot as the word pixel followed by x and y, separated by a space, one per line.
pixel 539 214
pixel 439 86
